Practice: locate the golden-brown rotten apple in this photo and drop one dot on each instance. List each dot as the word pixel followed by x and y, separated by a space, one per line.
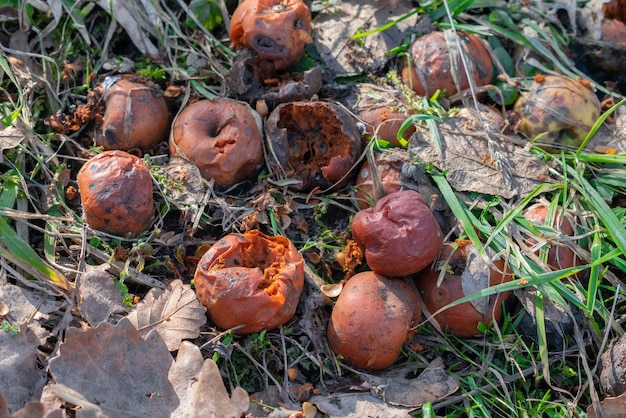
pixel 562 107
pixel 400 234
pixel 222 137
pixel 135 117
pixel 388 169
pixel 384 122
pixel 373 317
pixel 315 143
pixel 278 30
pixel 560 256
pixel 430 68
pixel 116 193
pixel 250 279
pixel 466 273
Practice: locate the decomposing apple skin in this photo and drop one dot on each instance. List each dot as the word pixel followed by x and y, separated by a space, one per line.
pixel 316 143
pixel 250 279
pixel 389 169
pixel 430 68
pixel 559 256
pixel 400 234
pixel 136 116
pixel 116 193
pixel 222 137
pixel 371 320
pixel 384 122
pixel 278 30
pixel 563 107
pixel 461 320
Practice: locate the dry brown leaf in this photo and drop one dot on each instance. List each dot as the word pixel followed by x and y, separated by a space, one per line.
pixel 357 405
pixel 99 297
pixel 432 385
pixel 200 388
pixel 30 410
pixel 115 372
pixel 22 381
pixel 175 313
pixel 342 55
pixel 10 137
pixel 467 160
pixel 612 407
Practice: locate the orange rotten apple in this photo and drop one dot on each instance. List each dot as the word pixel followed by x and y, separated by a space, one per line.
pixel 116 193
pixel 278 30
pixel 400 234
pixel 250 280
pixel 429 67
pixel 135 117
pixel 222 137
pixel 371 320
pixel 465 273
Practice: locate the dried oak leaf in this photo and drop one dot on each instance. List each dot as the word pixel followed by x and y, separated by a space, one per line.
pixel 464 154
pixel 110 370
pixel 200 388
pixel 611 407
pixel 21 379
pixel 99 297
pixel 175 313
pixel 30 410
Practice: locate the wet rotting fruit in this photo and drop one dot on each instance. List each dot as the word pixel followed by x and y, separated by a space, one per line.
pixel 222 137
pixel 372 319
pixel 278 30
pixel 316 144
pixel 429 67
pixel 400 234
pixel 116 193
pixel 562 108
pixel 465 272
pixel 374 183
pixel 251 281
pixel 136 115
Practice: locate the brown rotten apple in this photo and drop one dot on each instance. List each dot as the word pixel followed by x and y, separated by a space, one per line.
pixel 222 137
pixel 371 320
pixel 400 234
pixel 430 66
pixel 466 272
pixel 135 117
pixel 116 193
pixel 560 256
pixel 386 175
pixel 250 280
pixel 315 143
pixel 278 30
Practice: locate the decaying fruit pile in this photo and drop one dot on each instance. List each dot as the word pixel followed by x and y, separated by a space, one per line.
pixel 287 139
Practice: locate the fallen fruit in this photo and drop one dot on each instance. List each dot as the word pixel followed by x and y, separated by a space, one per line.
pixel 278 30
pixel 560 255
pixel 371 320
pixel 400 234
pixel 116 193
pixel 250 280
pixel 561 107
pixel 431 68
pixel 466 272
pixel 222 137
pixel 314 143
pixel 387 169
pixel 135 117
pixel 384 122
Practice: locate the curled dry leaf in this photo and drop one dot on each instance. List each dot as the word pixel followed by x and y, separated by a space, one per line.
pixel 22 381
pixel 611 407
pixel 175 313
pixel 200 388
pixel 115 371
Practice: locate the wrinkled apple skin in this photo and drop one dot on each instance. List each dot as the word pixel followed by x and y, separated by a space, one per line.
pixel 250 279
pixel 278 30
pixel 400 234
pixel 371 320
pixel 461 320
